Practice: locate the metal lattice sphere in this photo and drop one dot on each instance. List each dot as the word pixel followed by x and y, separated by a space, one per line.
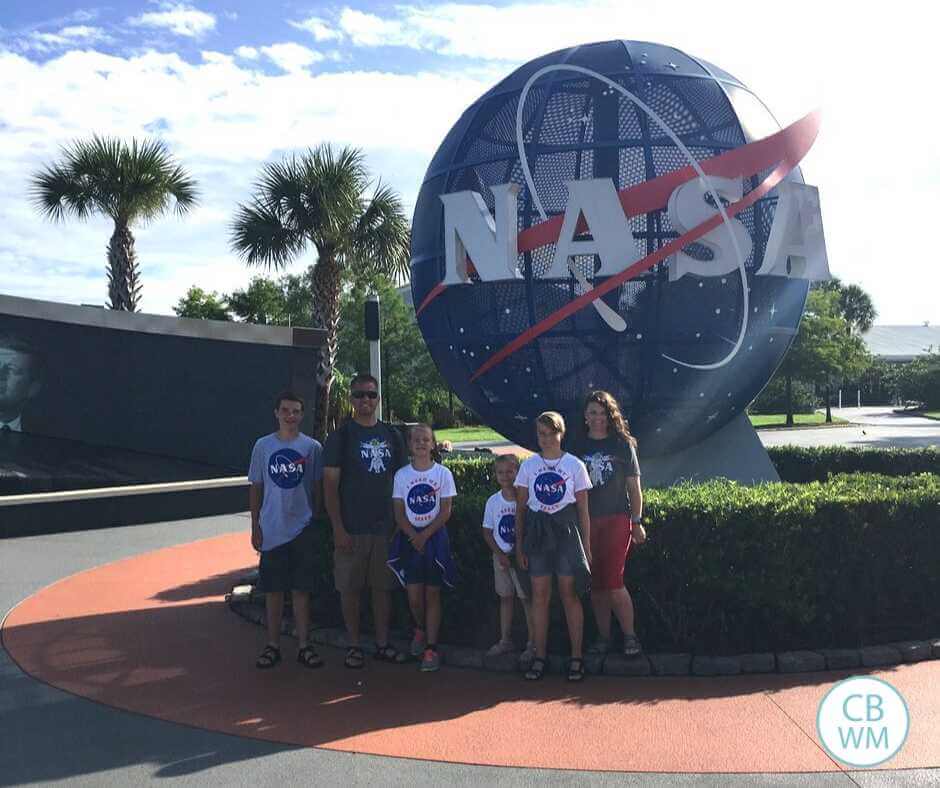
pixel 668 360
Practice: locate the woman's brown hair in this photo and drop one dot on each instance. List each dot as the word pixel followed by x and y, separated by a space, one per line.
pixel 614 417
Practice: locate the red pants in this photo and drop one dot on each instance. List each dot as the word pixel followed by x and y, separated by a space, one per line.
pixel 611 538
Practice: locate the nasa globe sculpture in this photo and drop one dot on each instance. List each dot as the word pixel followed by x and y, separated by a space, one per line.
pixel 616 216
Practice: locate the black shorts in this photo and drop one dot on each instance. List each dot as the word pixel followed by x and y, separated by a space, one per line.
pixel 290 566
pixel 420 568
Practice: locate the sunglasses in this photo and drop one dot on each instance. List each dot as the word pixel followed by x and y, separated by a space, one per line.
pixel 369 394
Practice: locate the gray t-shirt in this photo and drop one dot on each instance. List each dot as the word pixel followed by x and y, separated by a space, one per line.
pixel 287 469
pixel 367 458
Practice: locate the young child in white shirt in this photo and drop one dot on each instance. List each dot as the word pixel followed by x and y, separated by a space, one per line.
pixel 499 533
pixel 422 496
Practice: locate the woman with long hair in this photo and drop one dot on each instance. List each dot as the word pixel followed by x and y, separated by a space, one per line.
pixel 615 502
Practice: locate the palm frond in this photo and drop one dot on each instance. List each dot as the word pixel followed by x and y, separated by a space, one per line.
pixel 56 193
pixel 126 181
pixel 381 237
pixel 260 237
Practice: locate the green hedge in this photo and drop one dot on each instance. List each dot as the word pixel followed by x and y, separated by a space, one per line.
pixel 793 463
pixel 797 464
pixel 730 569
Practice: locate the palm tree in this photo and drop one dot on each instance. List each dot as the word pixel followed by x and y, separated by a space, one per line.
pixel 857 308
pixel 322 198
pixel 127 182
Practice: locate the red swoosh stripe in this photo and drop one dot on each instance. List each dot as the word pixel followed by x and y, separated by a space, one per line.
pixel 654 195
pixel 795 147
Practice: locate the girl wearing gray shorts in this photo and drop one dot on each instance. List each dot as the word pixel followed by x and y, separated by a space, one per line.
pixel 553 537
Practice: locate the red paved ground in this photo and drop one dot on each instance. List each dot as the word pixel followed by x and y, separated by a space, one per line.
pixel 152 635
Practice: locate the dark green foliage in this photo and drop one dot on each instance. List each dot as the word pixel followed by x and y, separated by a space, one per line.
pixel 797 464
pixel 773 399
pixel 731 569
pixel 412 388
pixel 843 562
pixel 202 305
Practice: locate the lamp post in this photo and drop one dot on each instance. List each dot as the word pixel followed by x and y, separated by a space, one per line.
pixel 373 336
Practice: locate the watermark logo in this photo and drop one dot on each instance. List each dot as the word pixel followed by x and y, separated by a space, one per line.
pixel 862 721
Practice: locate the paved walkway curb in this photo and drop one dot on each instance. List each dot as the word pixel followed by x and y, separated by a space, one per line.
pixel 249 605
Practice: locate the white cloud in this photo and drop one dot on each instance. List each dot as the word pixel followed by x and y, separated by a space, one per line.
pixel 222 121
pixel 291 57
pixel 319 28
pixel 370 30
pixel 181 19
pixel 209 56
pixel 37 41
pixel 876 162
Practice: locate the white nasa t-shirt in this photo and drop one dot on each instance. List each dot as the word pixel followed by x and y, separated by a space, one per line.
pixel 499 516
pixel 422 492
pixel 552 483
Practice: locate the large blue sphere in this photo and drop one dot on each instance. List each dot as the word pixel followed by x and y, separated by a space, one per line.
pixel 576 127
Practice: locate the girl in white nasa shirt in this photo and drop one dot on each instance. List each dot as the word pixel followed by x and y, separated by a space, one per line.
pixel 420 553
pixel 553 536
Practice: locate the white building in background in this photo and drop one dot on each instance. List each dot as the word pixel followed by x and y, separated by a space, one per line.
pixel 902 344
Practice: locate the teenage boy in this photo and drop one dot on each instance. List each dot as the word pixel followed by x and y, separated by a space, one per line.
pixel 360 459
pixel 285 477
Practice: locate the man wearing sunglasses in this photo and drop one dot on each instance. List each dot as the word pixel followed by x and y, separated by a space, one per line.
pixel 360 460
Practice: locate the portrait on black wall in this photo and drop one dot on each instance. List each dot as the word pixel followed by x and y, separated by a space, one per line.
pixel 21 367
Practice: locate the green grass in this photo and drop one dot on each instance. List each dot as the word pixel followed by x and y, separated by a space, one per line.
pixel 462 434
pixel 799 419
pixel 482 433
pixel 931 414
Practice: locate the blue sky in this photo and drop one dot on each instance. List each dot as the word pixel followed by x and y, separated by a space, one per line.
pixel 230 85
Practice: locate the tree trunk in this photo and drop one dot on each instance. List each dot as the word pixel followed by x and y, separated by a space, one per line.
pixel 789 381
pixel 828 404
pixel 124 284
pixel 326 284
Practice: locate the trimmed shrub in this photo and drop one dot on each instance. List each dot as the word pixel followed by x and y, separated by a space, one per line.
pixel 730 569
pixel 797 464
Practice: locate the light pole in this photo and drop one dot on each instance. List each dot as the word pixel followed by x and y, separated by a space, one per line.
pixel 373 336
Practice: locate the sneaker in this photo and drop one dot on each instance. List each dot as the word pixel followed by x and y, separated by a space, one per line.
pixel 631 646
pixel 418 643
pixel 498 649
pixel 529 654
pixel 431 661
pixel 599 646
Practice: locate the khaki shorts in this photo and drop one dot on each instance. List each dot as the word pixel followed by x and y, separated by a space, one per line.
pixel 506 581
pixel 364 565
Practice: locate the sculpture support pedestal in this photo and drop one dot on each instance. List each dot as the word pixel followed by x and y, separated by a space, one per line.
pixel 734 452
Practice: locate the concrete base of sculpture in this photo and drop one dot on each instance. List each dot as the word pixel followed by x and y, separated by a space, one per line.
pixel 734 452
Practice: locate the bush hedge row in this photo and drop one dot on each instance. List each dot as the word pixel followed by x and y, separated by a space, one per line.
pixel 731 569
pixel 798 464
pixel 473 474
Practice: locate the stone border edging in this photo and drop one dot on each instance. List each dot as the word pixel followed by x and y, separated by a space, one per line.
pixel 240 601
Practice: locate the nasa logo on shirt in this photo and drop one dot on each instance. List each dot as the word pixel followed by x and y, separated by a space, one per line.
pixel 286 468
pixel 421 498
pixel 600 468
pixel 373 454
pixel 549 488
pixel 506 528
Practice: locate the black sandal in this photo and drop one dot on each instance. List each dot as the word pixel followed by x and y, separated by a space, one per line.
pixel 268 658
pixel 308 657
pixel 388 653
pixel 576 669
pixel 536 670
pixel 355 658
